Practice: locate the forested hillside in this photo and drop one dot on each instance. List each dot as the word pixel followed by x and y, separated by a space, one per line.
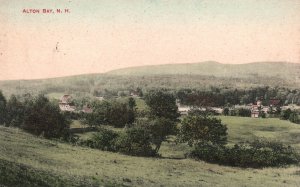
pixel 201 76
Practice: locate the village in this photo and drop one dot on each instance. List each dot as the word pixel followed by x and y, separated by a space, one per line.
pixel 257 109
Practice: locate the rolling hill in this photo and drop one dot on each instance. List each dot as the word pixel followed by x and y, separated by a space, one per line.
pixel 27 160
pixel 211 68
pixel 195 75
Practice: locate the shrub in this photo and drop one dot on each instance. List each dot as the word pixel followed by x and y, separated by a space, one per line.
pixel 294 117
pixel 135 141
pixel 226 111
pixel 255 154
pixel 243 112
pixel 285 114
pixel 104 140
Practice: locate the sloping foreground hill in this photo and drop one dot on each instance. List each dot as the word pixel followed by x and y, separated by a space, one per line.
pixel 268 69
pixel 44 161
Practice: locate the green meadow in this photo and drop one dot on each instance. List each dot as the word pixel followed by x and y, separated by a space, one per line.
pixel 24 156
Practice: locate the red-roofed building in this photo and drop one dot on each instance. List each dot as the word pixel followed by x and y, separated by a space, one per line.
pixel 274 102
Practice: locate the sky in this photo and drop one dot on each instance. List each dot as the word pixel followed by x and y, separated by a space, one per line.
pixel 96 36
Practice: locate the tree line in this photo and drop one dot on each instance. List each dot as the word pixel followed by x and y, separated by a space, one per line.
pixel 215 97
pixel 36 115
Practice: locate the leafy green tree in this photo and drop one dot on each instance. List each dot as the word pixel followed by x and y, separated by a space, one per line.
pixel 15 112
pixel 294 117
pixel 113 112
pixel 140 92
pixel 44 118
pixel 131 110
pixel 2 108
pixel 135 141
pixel 119 114
pixel 104 139
pixel 163 116
pixel 285 114
pixel 278 110
pixel 226 111
pixel 243 112
pixel 197 129
pixel 158 128
pixel 162 104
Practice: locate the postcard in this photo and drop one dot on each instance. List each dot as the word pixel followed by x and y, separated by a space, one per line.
pixel 149 93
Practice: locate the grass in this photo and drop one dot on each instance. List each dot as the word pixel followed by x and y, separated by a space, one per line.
pixel 240 129
pixel 244 129
pixel 13 174
pixel 140 103
pixel 55 95
pixel 93 167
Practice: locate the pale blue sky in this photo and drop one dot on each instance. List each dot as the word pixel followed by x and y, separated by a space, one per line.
pixel 178 11
pixel 101 35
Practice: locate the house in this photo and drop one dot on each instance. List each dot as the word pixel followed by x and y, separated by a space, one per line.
pixel 254 114
pixel 255 109
pixel 217 110
pixel 100 98
pixel 134 93
pixel 65 103
pixel 258 109
pixel 183 110
pixel 87 109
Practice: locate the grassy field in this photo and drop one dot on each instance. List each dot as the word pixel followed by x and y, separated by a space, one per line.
pixel 77 166
pixel 240 129
pixel 243 129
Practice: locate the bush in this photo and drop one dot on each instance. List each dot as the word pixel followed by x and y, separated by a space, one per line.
pixel 104 140
pixel 226 111
pixel 285 114
pixel 243 112
pixel 135 141
pixel 294 117
pixel 256 154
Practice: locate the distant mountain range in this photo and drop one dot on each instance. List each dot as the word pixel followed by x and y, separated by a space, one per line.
pixel 170 76
pixel 210 68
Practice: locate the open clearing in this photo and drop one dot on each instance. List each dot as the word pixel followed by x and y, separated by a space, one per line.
pixel 105 168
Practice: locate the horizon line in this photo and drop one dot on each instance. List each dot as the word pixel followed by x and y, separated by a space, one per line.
pixel 106 72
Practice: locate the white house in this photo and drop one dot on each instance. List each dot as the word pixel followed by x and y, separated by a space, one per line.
pixel 65 103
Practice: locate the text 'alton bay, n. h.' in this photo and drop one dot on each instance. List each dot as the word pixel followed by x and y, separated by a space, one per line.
pixel 46 11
